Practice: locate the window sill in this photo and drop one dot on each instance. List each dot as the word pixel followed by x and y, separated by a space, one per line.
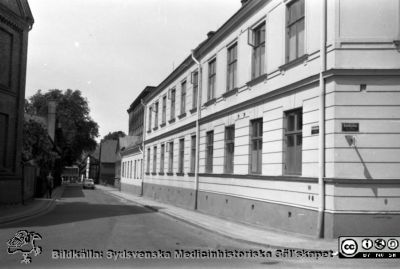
pixel 155 128
pixel 171 121
pixel 294 62
pixel 257 80
pixel 180 174
pixel 161 173
pixel 170 174
pixel 193 110
pixel 154 173
pixel 162 124
pixel 210 102
pixel 191 174
pixel 182 115
pixel 230 93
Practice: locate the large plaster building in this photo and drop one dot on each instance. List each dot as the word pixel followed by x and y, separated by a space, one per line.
pixel 293 108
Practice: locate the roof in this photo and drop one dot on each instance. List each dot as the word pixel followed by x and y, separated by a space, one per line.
pixel 108 151
pixel 139 98
pixel 248 7
pixel 127 141
pixel 18 13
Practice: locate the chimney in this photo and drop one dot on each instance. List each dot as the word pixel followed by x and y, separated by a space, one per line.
pixel 210 34
pixel 51 118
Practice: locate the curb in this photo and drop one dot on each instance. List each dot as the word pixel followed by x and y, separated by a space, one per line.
pixel 44 208
pixel 209 229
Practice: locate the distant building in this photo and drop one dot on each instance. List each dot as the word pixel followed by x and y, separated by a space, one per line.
pixel 89 166
pixel 298 116
pixel 108 157
pixel 15 22
pixel 131 151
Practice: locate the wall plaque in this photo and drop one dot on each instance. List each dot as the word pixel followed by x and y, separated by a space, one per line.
pixel 315 129
pixel 350 127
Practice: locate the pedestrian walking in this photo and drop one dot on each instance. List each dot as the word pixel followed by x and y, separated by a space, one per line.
pixel 50 184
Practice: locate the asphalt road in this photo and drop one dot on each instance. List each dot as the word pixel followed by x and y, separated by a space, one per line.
pixel 92 223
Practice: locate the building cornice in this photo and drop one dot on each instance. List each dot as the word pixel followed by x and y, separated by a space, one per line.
pixel 14 20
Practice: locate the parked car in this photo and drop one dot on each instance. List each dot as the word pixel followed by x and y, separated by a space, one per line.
pixel 88 183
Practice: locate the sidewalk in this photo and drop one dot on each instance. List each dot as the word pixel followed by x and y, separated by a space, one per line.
pixel 237 231
pixel 33 208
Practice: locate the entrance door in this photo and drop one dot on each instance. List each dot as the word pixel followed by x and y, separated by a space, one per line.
pixel 294 141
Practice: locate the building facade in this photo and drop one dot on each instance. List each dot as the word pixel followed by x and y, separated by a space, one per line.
pixel 298 122
pixel 132 151
pixel 15 22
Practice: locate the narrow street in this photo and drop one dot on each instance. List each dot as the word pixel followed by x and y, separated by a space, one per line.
pixel 93 220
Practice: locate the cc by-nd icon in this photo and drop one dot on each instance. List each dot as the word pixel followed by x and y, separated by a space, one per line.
pixel 349 247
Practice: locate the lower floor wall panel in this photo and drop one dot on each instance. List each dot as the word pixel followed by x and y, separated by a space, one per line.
pixel 268 215
pixel 131 189
pixel 181 197
pixel 362 224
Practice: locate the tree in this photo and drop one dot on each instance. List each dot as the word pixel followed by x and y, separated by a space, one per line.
pixel 37 145
pixel 114 135
pixel 76 130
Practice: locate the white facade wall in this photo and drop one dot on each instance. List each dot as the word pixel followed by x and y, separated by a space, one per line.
pixel 131 169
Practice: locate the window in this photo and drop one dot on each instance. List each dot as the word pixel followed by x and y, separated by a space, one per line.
pixel 257 40
pixel 162 158
pixel 122 170
pixel 211 79
pixel 232 67
pixel 209 151
pixel 229 148
pixel 155 159
pixel 183 97
pixel 295 30
pixel 195 81
pixel 171 157
pixel 3 140
pixel 156 115
pixel 130 169
pixel 173 104
pixel 164 109
pixel 256 133
pixel 193 154
pixel 148 161
pixel 134 169
pixel 293 136
pixel 181 155
pixel 150 115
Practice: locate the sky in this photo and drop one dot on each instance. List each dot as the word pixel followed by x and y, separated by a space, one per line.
pixel 112 49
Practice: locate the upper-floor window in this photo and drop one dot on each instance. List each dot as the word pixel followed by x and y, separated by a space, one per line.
pixel 183 97
pixel 211 79
pixel 195 82
pixel 164 109
pixel 295 30
pixel 256 134
pixel 156 115
pixel 257 40
pixel 150 115
pixel 173 93
pixel 232 67
pixel 209 151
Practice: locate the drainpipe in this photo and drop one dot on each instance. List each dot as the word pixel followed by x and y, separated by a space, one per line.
pixel 321 153
pixel 143 151
pixel 196 171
